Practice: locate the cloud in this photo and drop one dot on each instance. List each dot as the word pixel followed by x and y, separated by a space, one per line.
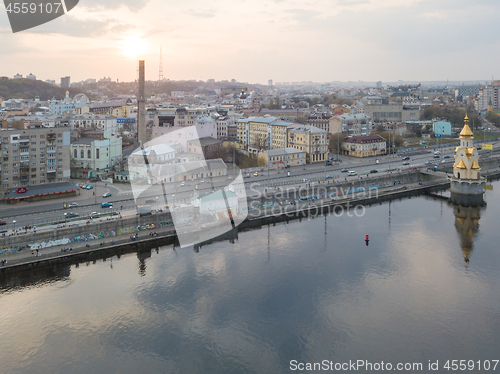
pixel 97 5
pixel 207 14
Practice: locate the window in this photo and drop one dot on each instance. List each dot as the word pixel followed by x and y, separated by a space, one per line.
pixel 42 142
pixel 88 154
pixel 75 153
pixel 59 141
pixel 42 136
pixel 59 148
pixel 82 154
pixel 33 149
pixel 5 186
pixel 33 136
pixel 97 153
pixel 42 169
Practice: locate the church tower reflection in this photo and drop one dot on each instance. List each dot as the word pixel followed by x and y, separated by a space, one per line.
pixel 467 226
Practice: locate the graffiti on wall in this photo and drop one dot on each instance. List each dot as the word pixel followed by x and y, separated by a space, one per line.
pixel 166 223
pixel 126 230
pixel 50 243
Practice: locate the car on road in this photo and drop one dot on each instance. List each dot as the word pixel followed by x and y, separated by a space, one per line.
pixel 3 223
pixel 85 186
pixel 71 215
pixel 81 185
pixel 256 174
pixel 428 162
pixel 437 152
pixel 406 163
pixel 93 214
pixel 183 184
pixel 230 177
pixel 72 205
pixel 329 177
pixel 107 194
pixel 305 180
pixel 247 176
pixel 447 156
pixel 442 161
pixel 437 156
pixel 351 172
pixel 288 174
pixel 88 186
pixel 106 205
pixel 373 171
pixel 202 181
pixel 344 170
pixel 328 163
pixel 406 158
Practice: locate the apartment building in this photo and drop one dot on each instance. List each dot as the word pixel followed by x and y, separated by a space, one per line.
pixel 94 121
pixel 487 94
pixel 280 158
pixel 320 120
pixel 364 146
pixel 91 155
pixel 392 112
pixel 310 139
pixel 33 157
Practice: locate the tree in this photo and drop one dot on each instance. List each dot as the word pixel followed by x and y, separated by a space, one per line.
pixel 336 141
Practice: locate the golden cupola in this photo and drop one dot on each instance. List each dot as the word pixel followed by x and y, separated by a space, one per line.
pixel 466 164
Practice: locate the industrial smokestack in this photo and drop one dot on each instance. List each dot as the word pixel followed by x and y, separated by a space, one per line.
pixel 141 106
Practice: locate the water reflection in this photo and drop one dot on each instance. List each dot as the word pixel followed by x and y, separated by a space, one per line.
pixel 467 211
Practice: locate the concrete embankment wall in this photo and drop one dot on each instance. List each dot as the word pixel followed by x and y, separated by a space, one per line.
pixel 295 192
pixel 96 228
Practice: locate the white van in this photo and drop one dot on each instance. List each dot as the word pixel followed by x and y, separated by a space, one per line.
pixel 351 172
pixel 437 152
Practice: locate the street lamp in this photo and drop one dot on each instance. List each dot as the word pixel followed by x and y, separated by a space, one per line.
pixel 14 222
pixel 156 204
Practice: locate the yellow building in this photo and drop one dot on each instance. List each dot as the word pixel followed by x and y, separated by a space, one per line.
pixel 310 139
pixel 466 157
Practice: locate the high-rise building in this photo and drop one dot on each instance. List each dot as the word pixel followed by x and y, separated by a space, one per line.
pixel 486 94
pixel 270 82
pixel 34 157
pixel 65 81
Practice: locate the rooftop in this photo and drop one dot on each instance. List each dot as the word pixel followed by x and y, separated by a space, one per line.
pixel 364 139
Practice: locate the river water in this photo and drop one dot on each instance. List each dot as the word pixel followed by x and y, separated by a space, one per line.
pixel 425 288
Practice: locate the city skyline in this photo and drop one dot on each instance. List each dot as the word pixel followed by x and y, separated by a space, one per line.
pixel 319 41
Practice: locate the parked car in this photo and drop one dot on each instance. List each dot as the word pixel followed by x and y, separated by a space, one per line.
pixel 202 181
pixel 328 163
pixel 71 215
pixel 107 194
pixel 351 172
pixel 329 177
pixel 305 180
pixel 85 186
pixel 93 214
pixel 437 156
pixel 437 152
pixel 288 174
pixel 89 186
pixel 81 185
pixel 3 223
pixel 428 163
pixel 256 174
pixel 344 170
pixel 406 158
pixel 72 205
pixel 447 156
pixel 373 171
pixel 406 163
pixel 230 177
pixel 106 205
pixel 183 184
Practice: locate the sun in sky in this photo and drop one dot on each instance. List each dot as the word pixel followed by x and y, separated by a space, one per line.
pixel 133 46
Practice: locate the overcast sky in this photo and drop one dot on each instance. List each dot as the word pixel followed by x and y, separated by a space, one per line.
pixel 257 40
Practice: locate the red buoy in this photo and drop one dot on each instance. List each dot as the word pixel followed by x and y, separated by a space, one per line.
pixel 367 238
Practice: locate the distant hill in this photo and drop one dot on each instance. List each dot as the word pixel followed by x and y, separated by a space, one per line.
pixel 28 88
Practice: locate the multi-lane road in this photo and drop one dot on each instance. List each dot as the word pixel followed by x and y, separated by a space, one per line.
pixel 36 213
